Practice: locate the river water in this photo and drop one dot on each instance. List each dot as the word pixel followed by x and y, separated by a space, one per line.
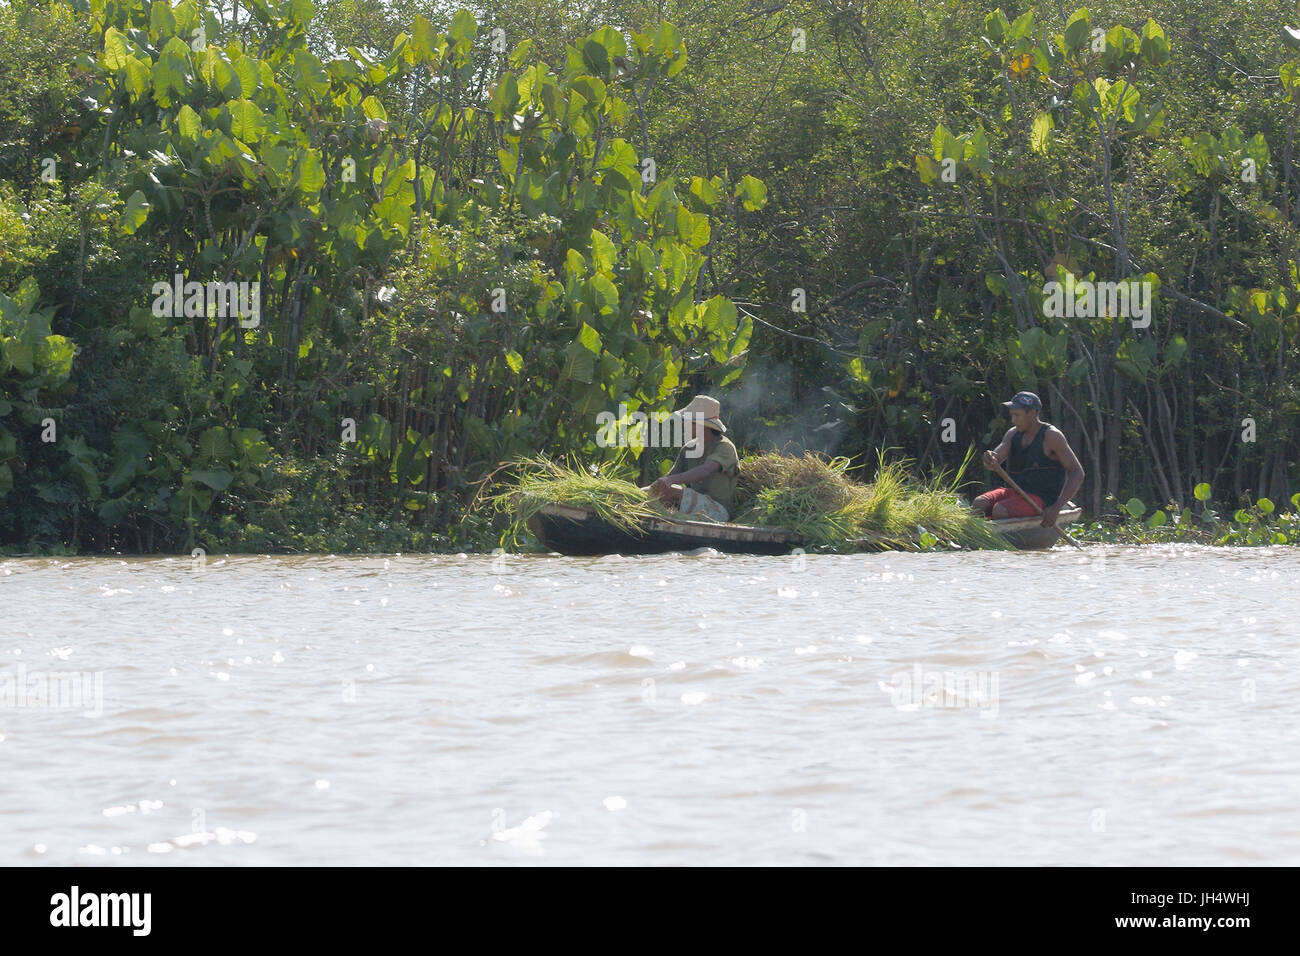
pixel 1117 706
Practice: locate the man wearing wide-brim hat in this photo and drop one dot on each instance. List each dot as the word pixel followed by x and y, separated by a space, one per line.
pixel 702 481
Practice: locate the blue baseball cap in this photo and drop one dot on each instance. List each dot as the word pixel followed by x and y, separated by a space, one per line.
pixel 1024 400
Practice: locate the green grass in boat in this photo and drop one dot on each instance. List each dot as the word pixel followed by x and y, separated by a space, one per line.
pixel 539 482
pixel 816 497
pixel 810 494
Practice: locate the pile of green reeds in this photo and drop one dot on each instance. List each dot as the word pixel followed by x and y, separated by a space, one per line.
pixel 812 495
pixel 539 481
pixel 826 508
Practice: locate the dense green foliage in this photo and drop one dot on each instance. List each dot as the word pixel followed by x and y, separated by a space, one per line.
pixel 470 236
pixel 454 252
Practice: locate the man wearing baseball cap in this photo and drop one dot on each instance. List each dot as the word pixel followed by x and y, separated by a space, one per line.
pixel 1041 462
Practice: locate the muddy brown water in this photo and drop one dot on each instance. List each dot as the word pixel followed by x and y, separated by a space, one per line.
pixel 1117 706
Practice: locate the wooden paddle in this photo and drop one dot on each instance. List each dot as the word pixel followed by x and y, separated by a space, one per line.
pixel 1033 504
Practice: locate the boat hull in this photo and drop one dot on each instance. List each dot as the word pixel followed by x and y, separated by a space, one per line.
pixel 576 531
pixel 579 532
pixel 1028 534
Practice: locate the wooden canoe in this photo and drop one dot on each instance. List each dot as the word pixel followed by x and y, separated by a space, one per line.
pixel 578 531
pixel 1028 534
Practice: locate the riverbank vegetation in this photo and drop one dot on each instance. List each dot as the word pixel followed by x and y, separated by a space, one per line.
pixel 1255 524
pixel 459 238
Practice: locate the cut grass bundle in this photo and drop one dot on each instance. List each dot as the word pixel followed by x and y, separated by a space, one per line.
pixel 811 495
pixel 816 498
pixel 808 494
pixel 942 512
pixel 822 480
pixel 539 482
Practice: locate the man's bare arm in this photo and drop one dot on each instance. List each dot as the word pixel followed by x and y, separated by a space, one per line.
pixel 1054 442
pixel 998 455
pixel 660 485
pixel 693 474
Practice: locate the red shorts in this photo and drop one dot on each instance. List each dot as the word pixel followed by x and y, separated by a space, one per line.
pixel 1015 505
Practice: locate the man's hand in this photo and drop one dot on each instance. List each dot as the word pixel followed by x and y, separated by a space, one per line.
pixel 1050 515
pixel 658 488
pixel 990 460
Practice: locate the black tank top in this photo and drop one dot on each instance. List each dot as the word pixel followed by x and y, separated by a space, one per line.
pixel 1033 471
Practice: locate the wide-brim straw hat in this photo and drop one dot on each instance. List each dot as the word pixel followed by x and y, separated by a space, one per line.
pixel 704 409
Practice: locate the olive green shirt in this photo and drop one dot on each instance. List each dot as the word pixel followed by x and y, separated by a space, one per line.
pixel 721 485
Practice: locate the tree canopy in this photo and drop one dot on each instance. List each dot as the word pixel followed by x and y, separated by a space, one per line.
pixel 283 274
